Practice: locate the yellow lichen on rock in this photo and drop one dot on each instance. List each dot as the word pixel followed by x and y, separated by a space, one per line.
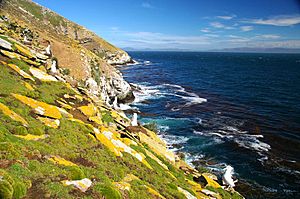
pixel 211 182
pixel 106 142
pixel 20 72
pixel 89 110
pixel 41 75
pixel 61 161
pixel 76 120
pixel 122 185
pixel 64 112
pixel 64 105
pixel 53 123
pixel 109 139
pixel 32 137
pixel 120 117
pixel 3 62
pixel 154 192
pixel 130 177
pixel 96 119
pixel 128 141
pixel 152 156
pixel 28 86
pixel 28 61
pixel 11 55
pixel 196 187
pixel 82 185
pixel 40 108
pixel 157 147
pixel 122 147
pixel 79 97
pixel 24 51
pixel 12 114
pixel 187 194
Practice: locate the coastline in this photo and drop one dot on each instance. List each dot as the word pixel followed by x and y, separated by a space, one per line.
pixel 238 141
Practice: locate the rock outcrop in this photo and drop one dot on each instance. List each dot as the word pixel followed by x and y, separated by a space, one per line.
pixel 89 58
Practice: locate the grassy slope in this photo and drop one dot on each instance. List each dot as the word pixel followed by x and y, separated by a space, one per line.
pixel 71 141
pixel 28 173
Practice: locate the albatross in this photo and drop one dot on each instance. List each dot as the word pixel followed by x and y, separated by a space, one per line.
pixel 227 177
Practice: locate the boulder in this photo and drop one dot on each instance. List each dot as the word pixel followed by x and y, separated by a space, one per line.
pixel 20 72
pixel 41 75
pixel 53 123
pixel 82 185
pixel 40 108
pixel 5 44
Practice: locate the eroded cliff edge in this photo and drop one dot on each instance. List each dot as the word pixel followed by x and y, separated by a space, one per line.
pixel 89 58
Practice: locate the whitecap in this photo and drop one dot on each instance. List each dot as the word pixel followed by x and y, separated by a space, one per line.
pixel 190 158
pixel 146 92
pixel 198 132
pixel 147 62
pixel 173 139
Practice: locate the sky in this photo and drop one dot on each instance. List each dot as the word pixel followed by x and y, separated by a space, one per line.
pixel 187 24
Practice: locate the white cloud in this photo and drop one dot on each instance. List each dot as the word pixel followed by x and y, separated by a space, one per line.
pixel 246 28
pixel 212 35
pixel 283 20
pixel 147 5
pixel 204 41
pixel 160 38
pixel 226 17
pixel 268 36
pixel 205 30
pixel 220 26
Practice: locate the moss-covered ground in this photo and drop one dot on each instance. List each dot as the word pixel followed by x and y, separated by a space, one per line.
pixel 24 162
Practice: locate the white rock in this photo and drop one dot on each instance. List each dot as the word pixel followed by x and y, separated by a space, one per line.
pixel 41 75
pixel 92 85
pixel 5 44
pixel 82 185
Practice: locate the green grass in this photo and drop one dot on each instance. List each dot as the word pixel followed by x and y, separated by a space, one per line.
pixel 52 91
pixel 32 8
pixel 70 141
pixel 225 194
pixel 29 171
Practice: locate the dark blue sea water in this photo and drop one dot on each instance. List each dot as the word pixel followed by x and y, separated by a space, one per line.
pixel 223 109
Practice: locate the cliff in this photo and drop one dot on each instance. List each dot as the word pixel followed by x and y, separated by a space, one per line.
pixel 88 57
pixel 59 137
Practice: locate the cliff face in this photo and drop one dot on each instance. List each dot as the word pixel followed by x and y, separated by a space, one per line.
pixel 89 58
pixel 60 139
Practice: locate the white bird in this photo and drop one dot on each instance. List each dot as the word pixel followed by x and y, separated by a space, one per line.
pixel 48 50
pixel 25 40
pixel 134 120
pixel 115 104
pixel 227 177
pixel 53 68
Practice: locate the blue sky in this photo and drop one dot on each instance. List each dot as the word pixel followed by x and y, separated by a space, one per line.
pixel 187 24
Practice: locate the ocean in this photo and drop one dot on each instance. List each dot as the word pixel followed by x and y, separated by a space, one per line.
pixel 238 109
